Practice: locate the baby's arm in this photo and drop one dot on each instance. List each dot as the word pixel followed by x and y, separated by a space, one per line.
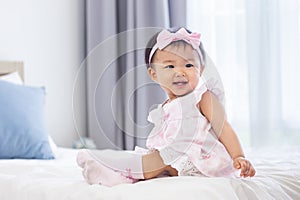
pixel 211 108
pixel 153 166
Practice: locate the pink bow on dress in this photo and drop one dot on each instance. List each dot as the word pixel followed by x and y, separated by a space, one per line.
pixel 165 38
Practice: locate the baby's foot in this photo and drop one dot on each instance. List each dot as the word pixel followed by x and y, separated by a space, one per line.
pixel 96 173
pixel 82 157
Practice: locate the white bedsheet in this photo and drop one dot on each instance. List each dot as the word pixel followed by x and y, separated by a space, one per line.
pixel 278 177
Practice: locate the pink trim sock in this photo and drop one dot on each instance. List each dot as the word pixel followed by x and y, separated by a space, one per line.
pixel 94 172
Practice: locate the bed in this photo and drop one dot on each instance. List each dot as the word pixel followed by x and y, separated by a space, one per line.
pixel 278 177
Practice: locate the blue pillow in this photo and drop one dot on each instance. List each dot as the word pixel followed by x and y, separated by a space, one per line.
pixel 23 132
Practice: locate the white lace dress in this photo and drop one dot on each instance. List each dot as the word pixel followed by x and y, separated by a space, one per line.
pixel 186 140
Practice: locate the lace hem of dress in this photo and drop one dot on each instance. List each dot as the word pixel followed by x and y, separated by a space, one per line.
pixel 189 169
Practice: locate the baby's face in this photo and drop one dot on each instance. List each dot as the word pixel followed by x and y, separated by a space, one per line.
pixel 176 69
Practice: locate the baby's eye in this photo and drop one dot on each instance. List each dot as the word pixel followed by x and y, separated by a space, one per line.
pixel 169 66
pixel 189 65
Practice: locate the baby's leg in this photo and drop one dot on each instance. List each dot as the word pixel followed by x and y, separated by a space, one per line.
pixel 96 172
pixel 154 166
pixel 129 165
pixel 172 171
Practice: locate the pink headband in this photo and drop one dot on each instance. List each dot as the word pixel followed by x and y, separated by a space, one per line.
pixel 165 38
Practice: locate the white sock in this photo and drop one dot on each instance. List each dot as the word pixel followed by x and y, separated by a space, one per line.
pixel 125 162
pixel 95 171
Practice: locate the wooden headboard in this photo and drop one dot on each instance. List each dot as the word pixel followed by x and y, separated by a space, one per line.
pixel 7 67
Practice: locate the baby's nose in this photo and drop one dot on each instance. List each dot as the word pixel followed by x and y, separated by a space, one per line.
pixel 179 73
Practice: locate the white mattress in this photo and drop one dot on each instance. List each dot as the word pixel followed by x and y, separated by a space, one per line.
pixel 278 177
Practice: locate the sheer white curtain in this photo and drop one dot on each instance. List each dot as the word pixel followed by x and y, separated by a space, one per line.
pixel 255 45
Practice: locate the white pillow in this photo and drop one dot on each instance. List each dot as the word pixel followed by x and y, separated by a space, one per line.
pixel 12 78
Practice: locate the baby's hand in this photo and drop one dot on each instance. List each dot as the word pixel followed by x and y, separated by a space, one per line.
pixel 246 167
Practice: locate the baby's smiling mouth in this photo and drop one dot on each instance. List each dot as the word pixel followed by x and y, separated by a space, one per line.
pixel 180 83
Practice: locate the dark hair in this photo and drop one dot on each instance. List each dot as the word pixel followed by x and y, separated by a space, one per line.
pixel 152 42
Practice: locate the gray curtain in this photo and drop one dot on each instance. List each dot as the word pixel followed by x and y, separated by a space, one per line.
pixel 119 92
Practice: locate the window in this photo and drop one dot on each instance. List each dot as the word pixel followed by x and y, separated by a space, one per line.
pixel 255 46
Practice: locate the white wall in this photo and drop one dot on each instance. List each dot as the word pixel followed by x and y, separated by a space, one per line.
pixel 48 36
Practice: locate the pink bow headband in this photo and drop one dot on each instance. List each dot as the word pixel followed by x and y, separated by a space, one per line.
pixel 165 38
